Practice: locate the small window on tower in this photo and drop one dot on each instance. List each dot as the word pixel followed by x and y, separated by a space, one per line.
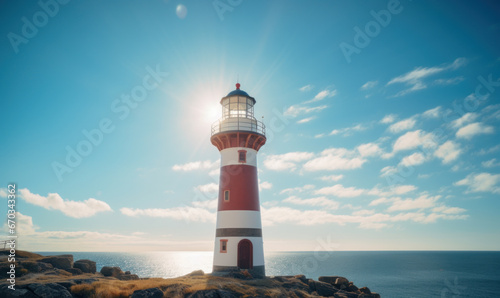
pixel 242 156
pixel 226 196
pixel 223 245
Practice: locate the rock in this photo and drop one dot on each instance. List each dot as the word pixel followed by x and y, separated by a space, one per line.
pixel 213 294
pixel 322 288
pixel 127 277
pixel 351 287
pixel 337 281
pixel 18 292
pixel 51 290
pixel 74 271
pixel 66 284
pixel 240 275
pixel 32 267
pixel 302 278
pixel 45 266
pixel 111 271
pixel 365 290
pixel 87 266
pixel 344 294
pixel 61 261
pixel 341 283
pixel 84 280
pixel 195 273
pixel 127 272
pixel 148 293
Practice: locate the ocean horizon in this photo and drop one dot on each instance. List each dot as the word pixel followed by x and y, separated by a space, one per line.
pixel 389 273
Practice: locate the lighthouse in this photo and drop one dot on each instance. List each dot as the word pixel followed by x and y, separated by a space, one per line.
pixel 238 136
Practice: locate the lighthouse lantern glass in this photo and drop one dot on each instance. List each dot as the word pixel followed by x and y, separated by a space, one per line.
pixel 237 106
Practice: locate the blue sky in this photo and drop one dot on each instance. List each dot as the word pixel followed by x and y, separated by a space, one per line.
pixel 382 120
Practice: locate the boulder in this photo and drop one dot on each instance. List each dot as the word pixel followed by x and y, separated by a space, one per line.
pixel 213 294
pixel 352 287
pixel 322 288
pixel 127 277
pixel 111 271
pixel 67 284
pixel 148 293
pixel 74 271
pixel 196 273
pixel 19 292
pixel 32 267
pixel 365 290
pixel 45 266
pixel 50 290
pixel 87 266
pixel 61 261
pixel 341 283
pixel 329 279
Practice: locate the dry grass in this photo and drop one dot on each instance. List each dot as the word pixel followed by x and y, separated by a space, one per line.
pixel 179 287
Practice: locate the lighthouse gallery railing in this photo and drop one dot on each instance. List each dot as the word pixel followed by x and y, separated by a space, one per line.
pixel 238 124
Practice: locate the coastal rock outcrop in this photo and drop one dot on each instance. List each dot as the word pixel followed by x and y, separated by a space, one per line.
pixel 41 276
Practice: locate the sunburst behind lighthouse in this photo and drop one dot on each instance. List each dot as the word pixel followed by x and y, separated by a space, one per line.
pixel 238 136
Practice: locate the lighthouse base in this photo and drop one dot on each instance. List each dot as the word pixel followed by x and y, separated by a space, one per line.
pixel 256 271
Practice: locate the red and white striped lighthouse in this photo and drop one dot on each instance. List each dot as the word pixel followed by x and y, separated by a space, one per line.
pixel 238 136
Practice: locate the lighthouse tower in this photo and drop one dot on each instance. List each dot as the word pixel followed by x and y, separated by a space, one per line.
pixel 238 136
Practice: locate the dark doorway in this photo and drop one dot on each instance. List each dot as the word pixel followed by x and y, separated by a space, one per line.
pixel 245 254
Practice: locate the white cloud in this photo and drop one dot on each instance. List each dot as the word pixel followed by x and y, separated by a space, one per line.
pixel 421 202
pixel 210 188
pixel 297 189
pixel 380 201
pixel 348 130
pixel 432 113
pixel 335 159
pixel 413 139
pixel 296 110
pixel 207 204
pixel 188 213
pixel 414 159
pixel 470 130
pixel 388 170
pixel 76 209
pixel 402 125
pixel 319 201
pixel 482 182
pixel 305 120
pixel 196 165
pixel 369 149
pixel 466 118
pixel 448 152
pixel 340 191
pixel 265 185
pixel 388 119
pixel 448 210
pixel 3 193
pixel 332 177
pixel 392 191
pixel 490 163
pixel 369 85
pixel 306 88
pixel 489 150
pixel 414 79
pixel 24 225
pixel 287 161
pixel 322 95
pixel 451 81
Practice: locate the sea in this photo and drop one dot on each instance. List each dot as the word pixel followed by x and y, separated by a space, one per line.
pixel 390 273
